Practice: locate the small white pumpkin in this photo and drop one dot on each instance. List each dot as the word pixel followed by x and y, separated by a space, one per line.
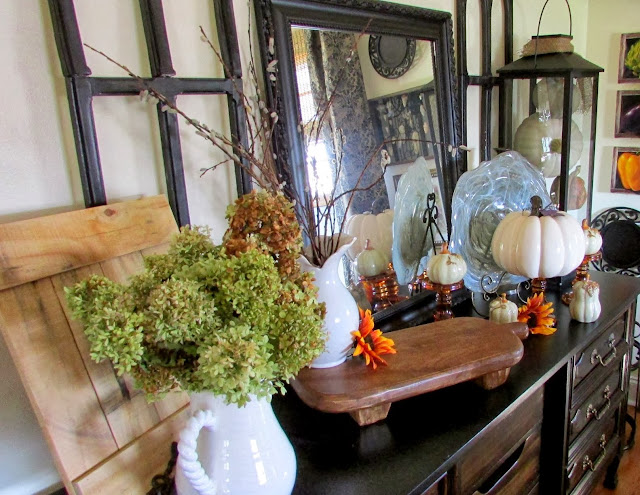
pixel 371 262
pixel 365 226
pixel 538 246
pixel 585 305
pixel 501 310
pixel 446 268
pixel 592 238
pixel 539 140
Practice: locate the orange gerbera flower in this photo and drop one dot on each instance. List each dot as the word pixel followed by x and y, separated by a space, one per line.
pixel 538 316
pixel 370 343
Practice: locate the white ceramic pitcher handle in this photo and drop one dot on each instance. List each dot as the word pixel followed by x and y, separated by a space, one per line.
pixel 188 457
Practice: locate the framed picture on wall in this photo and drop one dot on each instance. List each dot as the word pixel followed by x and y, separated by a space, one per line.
pixel 391 178
pixel 625 170
pixel 629 65
pixel 628 114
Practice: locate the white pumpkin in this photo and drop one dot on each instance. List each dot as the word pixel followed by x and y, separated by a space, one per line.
pixel 592 238
pixel 538 247
pixel 377 228
pixel 539 140
pixel 501 310
pixel 585 305
pixel 371 262
pixel 446 268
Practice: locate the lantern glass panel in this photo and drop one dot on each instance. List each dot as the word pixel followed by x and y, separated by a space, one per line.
pixel 579 175
pixel 561 151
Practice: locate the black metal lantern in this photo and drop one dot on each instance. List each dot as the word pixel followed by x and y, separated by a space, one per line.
pixel 552 99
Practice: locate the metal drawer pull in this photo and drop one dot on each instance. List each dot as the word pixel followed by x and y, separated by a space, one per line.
pixel 592 466
pixel 595 356
pixel 592 412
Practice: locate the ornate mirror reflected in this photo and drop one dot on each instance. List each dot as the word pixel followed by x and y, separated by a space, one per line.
pixel 355 118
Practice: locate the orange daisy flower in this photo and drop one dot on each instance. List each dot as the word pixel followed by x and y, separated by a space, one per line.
pixel 370 343
pixel 538 316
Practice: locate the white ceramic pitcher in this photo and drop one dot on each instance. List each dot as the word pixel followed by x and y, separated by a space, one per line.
pixel 226 449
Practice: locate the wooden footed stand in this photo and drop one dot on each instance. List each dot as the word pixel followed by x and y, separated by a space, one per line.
pixel 443 297
pixel 429 357
pixel 582 274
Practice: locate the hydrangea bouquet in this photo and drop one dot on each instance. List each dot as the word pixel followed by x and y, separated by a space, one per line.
pixel 237 319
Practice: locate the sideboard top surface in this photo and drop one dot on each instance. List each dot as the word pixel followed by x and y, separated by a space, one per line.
pixel 423 435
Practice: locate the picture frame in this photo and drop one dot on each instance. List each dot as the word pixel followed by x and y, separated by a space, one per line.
pixel 625 75
pixel 391 178
pixel 617 185
pixel 627 114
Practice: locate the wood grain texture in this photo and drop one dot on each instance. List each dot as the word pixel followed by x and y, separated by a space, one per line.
pixel 104 435
pixel 74 239
pixel 130 471
pixel 520 330
pixel 42 346
pixel 429 357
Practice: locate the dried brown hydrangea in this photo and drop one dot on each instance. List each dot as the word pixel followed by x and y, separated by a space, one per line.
pixel 269 219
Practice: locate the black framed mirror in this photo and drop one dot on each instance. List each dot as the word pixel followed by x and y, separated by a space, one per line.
pixel 321 45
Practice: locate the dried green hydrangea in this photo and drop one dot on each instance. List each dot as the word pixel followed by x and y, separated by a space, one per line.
pixel 202 319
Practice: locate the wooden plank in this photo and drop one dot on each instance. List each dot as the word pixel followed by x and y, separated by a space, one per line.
pixel 40 247
pixel 127 411
pixel 429 357
pixel 45 353
pixel 130 471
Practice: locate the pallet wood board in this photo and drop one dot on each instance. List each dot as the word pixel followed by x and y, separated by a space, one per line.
pixel 78 238
pixel 100 429
pixel 429 357
pixel 128 472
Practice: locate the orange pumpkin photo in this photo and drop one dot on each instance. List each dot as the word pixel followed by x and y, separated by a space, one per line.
pixel 626 170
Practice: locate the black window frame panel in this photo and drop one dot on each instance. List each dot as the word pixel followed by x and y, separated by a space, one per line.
pixel 82 87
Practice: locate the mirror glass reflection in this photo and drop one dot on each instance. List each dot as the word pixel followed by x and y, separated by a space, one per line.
pixel 368 112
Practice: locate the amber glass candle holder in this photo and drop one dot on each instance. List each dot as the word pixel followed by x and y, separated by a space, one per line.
pixel 582 274
pixel 443 297
pixel 381 290
pixel 538 285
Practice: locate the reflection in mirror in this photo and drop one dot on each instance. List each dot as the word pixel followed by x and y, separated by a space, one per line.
pixel 379 123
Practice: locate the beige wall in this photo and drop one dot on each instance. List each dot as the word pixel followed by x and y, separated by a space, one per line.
pixel 37 154
pixel 607 21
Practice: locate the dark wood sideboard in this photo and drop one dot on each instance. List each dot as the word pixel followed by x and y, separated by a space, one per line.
pixel 555 427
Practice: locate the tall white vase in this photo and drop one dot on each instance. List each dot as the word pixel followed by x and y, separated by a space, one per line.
pixel 226 449
pixel 342 316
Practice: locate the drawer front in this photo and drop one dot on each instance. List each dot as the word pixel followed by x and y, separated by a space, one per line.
pixel 440 487
pixel 596 406
pixel 601 353
pixel 497 445
pixel 519 473
pixel 590 457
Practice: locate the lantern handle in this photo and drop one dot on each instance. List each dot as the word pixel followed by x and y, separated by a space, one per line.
pixel 540 22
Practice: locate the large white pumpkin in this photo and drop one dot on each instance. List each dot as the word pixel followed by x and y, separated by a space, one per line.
pixel 377 228
pixel 539 140
pixel 538 247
